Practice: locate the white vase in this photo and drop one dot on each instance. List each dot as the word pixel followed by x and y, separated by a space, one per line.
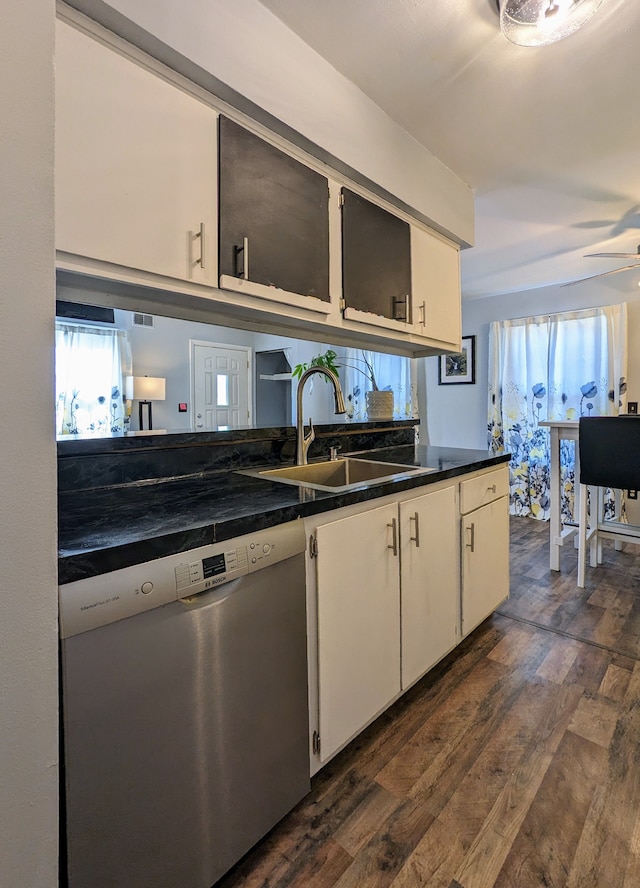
pixel 379 405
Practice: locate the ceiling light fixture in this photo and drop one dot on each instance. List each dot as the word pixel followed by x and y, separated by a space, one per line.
pixel 539 22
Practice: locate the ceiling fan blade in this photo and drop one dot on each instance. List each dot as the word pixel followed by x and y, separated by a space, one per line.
pixel 612 255
pixel 602 274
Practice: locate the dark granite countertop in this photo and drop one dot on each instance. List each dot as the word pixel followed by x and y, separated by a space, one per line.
pixel 109 528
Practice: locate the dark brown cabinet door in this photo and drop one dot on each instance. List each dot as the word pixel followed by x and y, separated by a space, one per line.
pixel 376 259
pixel 274 217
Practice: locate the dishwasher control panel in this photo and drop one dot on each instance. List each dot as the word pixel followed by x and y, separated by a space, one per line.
pixel 213 570
pixel 228 561
pixel 90 603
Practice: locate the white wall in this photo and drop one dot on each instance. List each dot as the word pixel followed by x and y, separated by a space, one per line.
pixel 28 592
pixel 457 415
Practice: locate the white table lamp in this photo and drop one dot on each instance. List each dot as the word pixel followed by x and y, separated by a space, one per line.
pixel 145 389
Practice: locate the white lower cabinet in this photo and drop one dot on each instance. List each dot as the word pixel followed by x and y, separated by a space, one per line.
pixel 430 617
pixel 387 597
pixel 485 546
pixel 358 603
pixel 392 588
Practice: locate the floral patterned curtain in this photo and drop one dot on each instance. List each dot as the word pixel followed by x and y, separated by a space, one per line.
pixel 556 367
pixel 91 363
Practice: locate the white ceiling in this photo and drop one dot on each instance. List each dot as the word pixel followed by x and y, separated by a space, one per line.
pixel 548 137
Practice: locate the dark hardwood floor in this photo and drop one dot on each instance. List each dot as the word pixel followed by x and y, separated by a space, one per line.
pixel 515 762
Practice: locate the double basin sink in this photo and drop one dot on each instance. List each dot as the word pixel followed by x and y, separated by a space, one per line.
pixel 340 475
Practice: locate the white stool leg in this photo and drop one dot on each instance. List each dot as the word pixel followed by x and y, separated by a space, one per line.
pixel 596 548
pixel 618 498
pixel 582 536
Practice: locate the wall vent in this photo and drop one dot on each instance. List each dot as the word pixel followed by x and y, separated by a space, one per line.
pixel 142 320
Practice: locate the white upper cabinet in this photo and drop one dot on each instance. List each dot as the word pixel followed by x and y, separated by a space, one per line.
pixel 156 185
pixel 435 278
pixel 399 277
pixel 136 169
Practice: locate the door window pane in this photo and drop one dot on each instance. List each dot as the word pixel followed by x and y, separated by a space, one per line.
pixel 222 399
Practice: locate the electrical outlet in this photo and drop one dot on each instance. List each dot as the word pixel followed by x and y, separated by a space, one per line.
pixel 632 494
pixel 632 406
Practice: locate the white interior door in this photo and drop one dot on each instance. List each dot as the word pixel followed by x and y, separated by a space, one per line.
pixel 220 379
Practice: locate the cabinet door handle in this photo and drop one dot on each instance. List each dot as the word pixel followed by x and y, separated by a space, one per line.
pixel 416 538
pixel 492 488
pixel 200 234
pixel 423 314
pixel 472 537
pixel 394 536
pixel 244 250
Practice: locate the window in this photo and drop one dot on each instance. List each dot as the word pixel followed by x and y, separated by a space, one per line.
pixel 91 363
pixel 557 367
pixel 391 372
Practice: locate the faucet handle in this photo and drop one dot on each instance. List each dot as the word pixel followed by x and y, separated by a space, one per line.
pixel 310 435
pixel 333 453
pixel 307 439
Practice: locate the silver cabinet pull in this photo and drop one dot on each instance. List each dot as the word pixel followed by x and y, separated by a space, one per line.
pixel 492 488
pixel 472 537
pixel 416 538
pixel 422 308
pixel 200 234
pixel 244 250
pixel 394 536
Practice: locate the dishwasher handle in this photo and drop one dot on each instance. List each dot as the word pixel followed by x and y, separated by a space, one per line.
pixel 210 597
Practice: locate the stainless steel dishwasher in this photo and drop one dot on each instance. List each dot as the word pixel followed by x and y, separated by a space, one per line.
pixel 185 714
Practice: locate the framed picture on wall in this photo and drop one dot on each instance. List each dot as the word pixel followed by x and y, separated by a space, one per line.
pixel 459 368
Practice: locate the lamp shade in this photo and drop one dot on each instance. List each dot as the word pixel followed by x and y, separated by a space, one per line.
pixel 539 22
pixel 145 388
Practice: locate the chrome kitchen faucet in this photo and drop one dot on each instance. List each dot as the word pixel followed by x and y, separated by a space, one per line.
pixel 303 440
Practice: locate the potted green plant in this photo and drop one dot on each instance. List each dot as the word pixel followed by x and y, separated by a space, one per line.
pixel 324 360
pixel 379 402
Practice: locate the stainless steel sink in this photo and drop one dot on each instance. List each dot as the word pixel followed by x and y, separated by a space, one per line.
pixel 339 475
